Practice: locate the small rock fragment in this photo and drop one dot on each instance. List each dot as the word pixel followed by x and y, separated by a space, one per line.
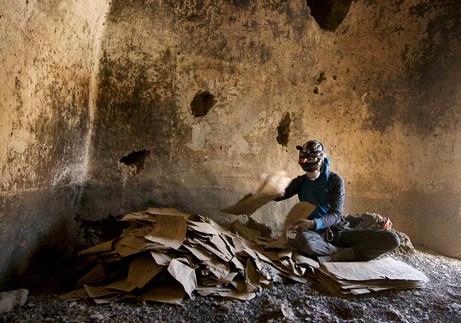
pixel 12 299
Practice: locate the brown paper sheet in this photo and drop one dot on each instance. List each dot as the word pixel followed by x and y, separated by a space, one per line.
pixel 162 259
pixel 96 292
pixel 302 260
pixel 251 202
pixel 100 248
pixel 95 276
pixel 252 277
pixel 139 218
pixel 75 294
pixel 142 269
pixel 135 242
pixel 219 268
pixel 384 268
pixel 166 211
pixel 226 292
pixel 170 231
pixel 184 275
pixel 169 293
pixel 121 285
pixel 212 249
pixel 199 253
pixel 125 250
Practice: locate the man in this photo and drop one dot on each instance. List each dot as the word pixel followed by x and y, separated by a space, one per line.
pixel 324 233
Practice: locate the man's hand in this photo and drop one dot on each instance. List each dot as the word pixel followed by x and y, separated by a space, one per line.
pixel 303 225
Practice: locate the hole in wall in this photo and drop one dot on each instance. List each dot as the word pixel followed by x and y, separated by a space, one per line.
pixel 202 102
pixel 283 129
pixel 241 3
pixel 320 78
pixel 91 233
pixel 136 159
pixel 329 13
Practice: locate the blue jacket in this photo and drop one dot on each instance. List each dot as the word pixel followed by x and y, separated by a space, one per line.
pixel 327 193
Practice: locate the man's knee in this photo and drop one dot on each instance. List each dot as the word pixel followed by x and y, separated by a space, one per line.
pixel 311 244
pixel 305 243
pixel 381 243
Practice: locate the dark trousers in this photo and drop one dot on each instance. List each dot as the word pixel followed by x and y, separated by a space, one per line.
pixel 366 244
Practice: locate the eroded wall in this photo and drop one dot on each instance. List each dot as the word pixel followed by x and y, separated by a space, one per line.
pixel 187 103
pixel 198 98
pixel 48 52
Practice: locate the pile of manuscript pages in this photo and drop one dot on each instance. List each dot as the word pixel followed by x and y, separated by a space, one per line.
pixel 166 255
pixel 349 279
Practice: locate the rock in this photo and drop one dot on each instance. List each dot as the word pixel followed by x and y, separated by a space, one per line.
pixel 12 299
pixel 287 311
pixel 97 317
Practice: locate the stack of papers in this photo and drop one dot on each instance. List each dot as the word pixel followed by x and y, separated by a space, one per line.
pixel 166 255
pixel 357 278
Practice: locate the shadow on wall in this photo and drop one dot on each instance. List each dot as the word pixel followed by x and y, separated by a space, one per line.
pixel 42 267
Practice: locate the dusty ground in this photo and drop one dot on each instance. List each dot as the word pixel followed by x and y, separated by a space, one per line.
pixel 439 301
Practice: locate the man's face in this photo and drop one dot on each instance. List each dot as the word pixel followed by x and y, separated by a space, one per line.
pixel 311 156
pixel 310 164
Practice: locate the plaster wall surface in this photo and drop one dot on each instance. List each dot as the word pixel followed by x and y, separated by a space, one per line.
pixel 186 103
pixel 48 56
pixel 381 92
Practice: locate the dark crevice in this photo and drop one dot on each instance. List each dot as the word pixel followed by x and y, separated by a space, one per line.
pixel 202 102
pixel 283 130
pixel 136 158
pixel 329 13
pixel 320 78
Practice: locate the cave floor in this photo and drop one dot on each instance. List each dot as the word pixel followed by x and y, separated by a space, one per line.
pixel 438 301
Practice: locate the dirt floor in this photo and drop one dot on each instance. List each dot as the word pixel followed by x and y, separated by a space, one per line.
pixel 438 301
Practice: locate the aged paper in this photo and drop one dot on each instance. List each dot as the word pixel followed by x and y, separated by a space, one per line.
pixel 121 285
pixel 76 294
pixel 95 292
pixel 142 269
pixel 252 202
pixel 161 258
pixel 135 242
pixel 125 250
pixel 198 252
pixel 384 268
pixel 219 268
pixel 252 277
pixel 357 278
pixel 167 211
pixel 211 248
pixel 183 274
pixel 226 292
pixel 139 218
pixel 100 248
pixel 272 187
pixel 169 230
pixel 93 277
pixel 168 292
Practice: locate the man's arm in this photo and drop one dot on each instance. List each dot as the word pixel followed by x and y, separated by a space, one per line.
pixel 337 196
pixel 292 189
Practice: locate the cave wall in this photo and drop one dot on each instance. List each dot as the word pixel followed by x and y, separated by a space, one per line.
pixel 48 62
pixel 198 98
pixel 187 103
